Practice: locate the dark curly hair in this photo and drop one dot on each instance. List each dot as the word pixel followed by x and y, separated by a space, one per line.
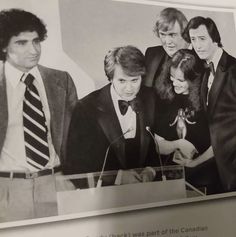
pixel 14 21
pixel 192 69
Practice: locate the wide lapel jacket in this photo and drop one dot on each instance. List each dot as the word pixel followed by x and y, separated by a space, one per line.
pixel 3 106
pixel 153 58
pixel 219 80
pixel 62 98
pixel 146 115
pixel 109 122
pixel 56 97
pixel 218 83
pixel 204 90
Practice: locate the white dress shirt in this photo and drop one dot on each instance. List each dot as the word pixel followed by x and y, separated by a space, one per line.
pixel 13 157
pixel 128 120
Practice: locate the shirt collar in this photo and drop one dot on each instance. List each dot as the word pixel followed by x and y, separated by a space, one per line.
pixel 216 57
pixel 14 75
pixel 34 72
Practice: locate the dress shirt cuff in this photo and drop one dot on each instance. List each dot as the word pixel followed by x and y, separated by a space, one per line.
pixel 148 168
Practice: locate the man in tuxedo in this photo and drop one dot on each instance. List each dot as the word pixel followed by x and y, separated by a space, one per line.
pixel 35 110
pixel 218 94
pixel 114 120
pixel 169 27
pixel 109 127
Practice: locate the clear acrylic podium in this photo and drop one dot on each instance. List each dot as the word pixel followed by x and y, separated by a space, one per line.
pixel 85 198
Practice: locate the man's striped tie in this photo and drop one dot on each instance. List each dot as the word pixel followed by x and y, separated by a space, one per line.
pixel 35 129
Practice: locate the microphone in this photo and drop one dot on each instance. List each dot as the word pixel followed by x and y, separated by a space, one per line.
pixel 99 183
pixel 158 152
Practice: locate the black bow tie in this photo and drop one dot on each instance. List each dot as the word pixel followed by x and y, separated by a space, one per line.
pixel 123 105
pixel 211 67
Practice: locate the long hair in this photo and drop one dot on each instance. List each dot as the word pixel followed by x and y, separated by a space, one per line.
pixel 190 65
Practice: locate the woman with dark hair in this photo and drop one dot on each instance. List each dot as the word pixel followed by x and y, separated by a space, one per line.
pixel 180 116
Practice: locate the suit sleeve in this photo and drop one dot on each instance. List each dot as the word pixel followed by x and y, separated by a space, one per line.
pixel 77 146
pixel 84 144
pixel 71 100
pixel 223 130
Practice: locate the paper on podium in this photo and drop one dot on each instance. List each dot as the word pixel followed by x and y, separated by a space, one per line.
pixel 103 198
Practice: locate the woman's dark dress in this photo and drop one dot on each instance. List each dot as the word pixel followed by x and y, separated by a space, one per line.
pixel 206 174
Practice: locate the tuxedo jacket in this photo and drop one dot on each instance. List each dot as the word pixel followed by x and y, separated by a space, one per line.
pixel 221 112
pixel 61 97
pixel 154 59
pixel 95 127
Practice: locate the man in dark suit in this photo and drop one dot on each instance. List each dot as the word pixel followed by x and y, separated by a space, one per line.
pixel 35 111
pixel 114 120
pixel 109 127
pixel 169 27
pixel 218 94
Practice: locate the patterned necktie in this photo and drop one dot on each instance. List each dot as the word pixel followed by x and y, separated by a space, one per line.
pixel 124 105
pixel 35 129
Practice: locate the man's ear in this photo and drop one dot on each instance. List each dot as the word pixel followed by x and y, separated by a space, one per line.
pixel 215 45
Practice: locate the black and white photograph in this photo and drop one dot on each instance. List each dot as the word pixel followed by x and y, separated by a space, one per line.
pixel 116 109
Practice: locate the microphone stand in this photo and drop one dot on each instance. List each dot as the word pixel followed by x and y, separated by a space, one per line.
pixel 194 189
pixel 158 153
pixel 99 183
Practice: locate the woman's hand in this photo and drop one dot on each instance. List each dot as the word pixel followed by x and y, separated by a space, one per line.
pixel 191 163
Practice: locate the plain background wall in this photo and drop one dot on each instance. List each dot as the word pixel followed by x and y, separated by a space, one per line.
pixel 91 27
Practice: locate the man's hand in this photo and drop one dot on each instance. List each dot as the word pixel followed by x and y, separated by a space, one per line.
pixel 167 147
pixel 148 174
pixel 180 159
pixel 205 156
pixel 130 177
pixel 193 163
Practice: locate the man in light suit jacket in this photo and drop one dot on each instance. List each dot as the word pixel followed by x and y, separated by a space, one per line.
pixel 169 27
pixel 36 104
pixel 218 93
